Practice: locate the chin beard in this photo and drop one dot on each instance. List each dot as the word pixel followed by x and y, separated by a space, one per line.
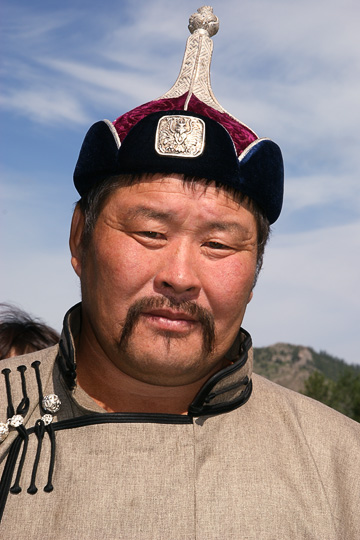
pixel 201 315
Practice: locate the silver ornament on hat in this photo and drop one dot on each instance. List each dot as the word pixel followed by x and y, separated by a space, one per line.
pixel 180 136
pixel 184 136
pixel 194 76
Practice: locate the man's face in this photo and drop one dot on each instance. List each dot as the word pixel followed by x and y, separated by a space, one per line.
pixel 166 278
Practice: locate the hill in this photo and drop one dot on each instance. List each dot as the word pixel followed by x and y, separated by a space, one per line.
pixel 291 365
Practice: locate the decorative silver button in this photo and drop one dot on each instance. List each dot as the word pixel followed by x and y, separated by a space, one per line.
pixel 51 403
pixel 16 421
pixel 4 431
pixel 47 419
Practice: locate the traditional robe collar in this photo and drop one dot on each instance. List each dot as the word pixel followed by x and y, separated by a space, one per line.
pixel 226 390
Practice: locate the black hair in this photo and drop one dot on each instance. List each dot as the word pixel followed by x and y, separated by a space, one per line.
pixel 21 334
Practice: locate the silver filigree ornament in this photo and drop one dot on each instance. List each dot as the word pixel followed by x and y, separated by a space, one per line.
pixel 4 431
pixel 204 20
pixel 194 76
pixel 51 403
pixel 47 419
pixel 180 136
pixel 16 421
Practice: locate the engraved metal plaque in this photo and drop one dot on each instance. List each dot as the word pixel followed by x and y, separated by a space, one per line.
pixel 180 136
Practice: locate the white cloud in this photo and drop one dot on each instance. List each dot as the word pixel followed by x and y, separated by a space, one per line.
pixel 113 81
pixel 320 189
pixel 23 26
pixel 307 88
pixel 44 104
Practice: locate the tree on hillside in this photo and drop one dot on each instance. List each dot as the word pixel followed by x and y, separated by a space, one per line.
pixel 342 394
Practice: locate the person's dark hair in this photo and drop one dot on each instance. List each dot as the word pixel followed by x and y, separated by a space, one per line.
pixel 20 334
pixel 93 202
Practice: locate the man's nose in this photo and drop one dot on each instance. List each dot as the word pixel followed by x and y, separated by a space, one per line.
pixel 178 273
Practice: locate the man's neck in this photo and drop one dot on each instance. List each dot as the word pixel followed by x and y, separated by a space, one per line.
pixel 115 391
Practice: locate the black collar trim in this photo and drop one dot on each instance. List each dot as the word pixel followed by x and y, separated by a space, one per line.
pixel 118 418
pixel 201 405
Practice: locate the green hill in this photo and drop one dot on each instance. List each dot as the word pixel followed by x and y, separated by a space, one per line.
pixel 316 374
pixel 291 365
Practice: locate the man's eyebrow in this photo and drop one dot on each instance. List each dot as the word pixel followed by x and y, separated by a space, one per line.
pixel 225 226
pixel 147 212
pixel 211 226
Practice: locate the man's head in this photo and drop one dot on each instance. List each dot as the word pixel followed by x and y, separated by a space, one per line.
pixel 177 197
pixel 166 276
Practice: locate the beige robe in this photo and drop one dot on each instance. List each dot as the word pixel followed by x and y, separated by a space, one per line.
pixel 279 467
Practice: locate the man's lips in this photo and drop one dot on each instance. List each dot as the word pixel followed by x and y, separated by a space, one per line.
pixel 170 314
pixel 167 319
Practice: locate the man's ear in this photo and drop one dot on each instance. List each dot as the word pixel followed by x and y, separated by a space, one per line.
pixel 75 241
pixel 250 296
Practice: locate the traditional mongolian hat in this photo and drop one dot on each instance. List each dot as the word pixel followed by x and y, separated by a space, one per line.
pixel 186 131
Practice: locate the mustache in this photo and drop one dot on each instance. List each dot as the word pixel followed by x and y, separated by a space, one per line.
pixel 200 314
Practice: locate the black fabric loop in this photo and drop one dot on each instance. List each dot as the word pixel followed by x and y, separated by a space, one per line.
pixel 50 431
pixel 24 404
pixel 39 431
pixel 10 411
pixel 8 473
pixel 15 489
pixel 36 365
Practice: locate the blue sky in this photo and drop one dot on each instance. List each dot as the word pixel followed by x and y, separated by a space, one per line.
pixel 287 68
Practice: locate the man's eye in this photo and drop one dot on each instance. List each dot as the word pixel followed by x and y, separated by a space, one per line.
pixel 216 245
pixel 151 234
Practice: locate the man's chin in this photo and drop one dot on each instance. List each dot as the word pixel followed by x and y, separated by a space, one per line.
pixel 165 364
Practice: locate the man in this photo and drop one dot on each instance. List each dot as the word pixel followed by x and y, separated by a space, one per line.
pixel 146 422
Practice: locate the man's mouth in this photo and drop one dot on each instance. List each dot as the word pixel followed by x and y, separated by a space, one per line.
pixel 170 314
pixel 170 320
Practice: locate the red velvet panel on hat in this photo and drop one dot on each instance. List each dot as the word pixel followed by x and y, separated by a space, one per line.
pixel 241 135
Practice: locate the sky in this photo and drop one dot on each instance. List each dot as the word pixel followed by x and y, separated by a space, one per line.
pixel 290 69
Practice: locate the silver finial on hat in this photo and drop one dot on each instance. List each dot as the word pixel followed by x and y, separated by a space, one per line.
pixel 194 76
pixel 204 20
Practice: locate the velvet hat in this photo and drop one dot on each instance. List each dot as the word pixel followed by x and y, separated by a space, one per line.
pixel 186 131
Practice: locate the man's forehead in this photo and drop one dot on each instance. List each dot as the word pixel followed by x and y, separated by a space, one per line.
pixel 176 182
pixel 157 196
pixel 186 183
